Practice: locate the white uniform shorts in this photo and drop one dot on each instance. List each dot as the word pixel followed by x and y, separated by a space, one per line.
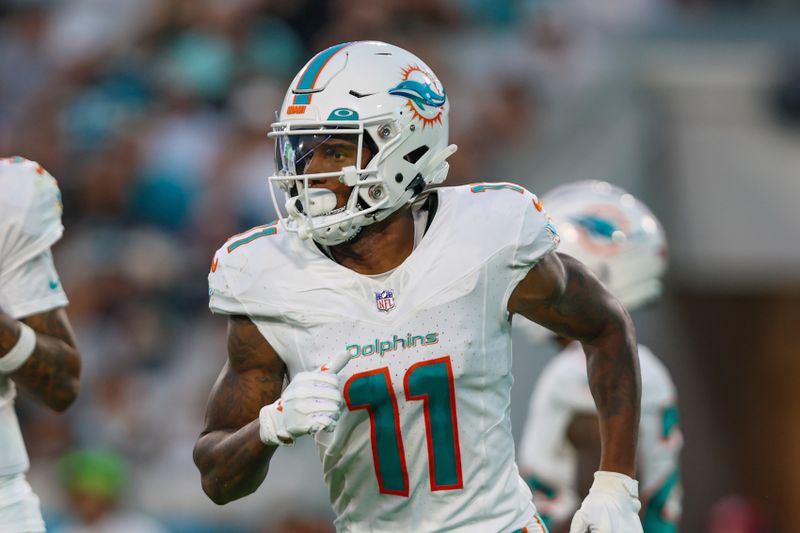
pixel 19 506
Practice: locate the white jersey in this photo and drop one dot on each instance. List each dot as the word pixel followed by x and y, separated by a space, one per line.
pixel 425 441
pixel 30 222
pixel 549 461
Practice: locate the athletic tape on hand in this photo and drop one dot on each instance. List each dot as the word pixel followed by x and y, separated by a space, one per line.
pixel 21 351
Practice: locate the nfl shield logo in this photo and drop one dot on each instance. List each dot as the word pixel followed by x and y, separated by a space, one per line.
pixel 384 300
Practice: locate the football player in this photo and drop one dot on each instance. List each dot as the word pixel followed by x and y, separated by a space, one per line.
pixel 37 348
pixel 622 242
pixel 387 307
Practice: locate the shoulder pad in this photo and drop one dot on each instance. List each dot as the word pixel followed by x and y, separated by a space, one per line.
pixel 230 284
pixel 30 210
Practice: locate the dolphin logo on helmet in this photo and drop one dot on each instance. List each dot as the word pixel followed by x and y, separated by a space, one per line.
pixel 421 94
pixel 597 226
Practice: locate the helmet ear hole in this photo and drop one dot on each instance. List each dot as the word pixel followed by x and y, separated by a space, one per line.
pixel 415 155
pixel 369 142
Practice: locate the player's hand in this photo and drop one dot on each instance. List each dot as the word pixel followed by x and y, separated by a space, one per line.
pixel 612 506
pixel 312 402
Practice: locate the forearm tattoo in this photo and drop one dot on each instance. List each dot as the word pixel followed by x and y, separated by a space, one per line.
pixel 604 328
pixel 51 373
pixel 584 310
pixel 229 453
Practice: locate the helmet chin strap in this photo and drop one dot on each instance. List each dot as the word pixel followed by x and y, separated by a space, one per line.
pixel 335 237
pixel 326 246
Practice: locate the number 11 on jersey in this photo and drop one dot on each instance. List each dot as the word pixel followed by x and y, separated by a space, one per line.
pixel 430 382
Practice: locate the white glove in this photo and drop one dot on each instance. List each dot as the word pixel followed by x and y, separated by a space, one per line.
pixel 612 506
pixel 310 403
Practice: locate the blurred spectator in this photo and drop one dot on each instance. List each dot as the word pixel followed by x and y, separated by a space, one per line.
pixel 786 92
pixel 736 514
pixel 85 29
pixel 94 482
pixel 302 524
pixel 22 52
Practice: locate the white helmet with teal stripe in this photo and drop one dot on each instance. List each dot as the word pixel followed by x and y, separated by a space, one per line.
pixel 613 234
pixel 375 95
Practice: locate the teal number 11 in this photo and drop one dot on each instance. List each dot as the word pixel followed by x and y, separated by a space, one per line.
pixel 432 383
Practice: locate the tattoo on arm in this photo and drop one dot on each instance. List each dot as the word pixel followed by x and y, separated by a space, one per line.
pixel 564 296
pixel 232 459
pixel 52 372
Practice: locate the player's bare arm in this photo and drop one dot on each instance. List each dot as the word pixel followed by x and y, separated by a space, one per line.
pixel 51 373
pixel 564 296
pixel 232 459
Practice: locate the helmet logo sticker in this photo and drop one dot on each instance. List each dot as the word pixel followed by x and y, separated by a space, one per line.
pixel 343 113
pixel 425 96
pixel 604 231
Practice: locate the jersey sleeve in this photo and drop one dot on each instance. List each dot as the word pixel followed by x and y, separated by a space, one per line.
pixel 221 294
pixel 242 280
pixel 537 236
pixel 32 287
pixel 30 212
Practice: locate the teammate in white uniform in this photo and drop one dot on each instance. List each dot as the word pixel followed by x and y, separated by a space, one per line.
pixel 388 310
pixel 37 348
pixel 621 241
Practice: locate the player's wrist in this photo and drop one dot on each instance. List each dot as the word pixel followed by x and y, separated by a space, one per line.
pixel 270 428
pixel 22 350
pixel 615 483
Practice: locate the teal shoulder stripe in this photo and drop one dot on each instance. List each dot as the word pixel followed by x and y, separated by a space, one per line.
pixel 497 187
pixel 250 238
pixel 312 72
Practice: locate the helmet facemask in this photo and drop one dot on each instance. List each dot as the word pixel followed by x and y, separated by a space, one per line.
pixel 314 211
pixel 309 209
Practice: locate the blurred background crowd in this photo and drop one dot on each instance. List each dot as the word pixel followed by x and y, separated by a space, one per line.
pixel 152 115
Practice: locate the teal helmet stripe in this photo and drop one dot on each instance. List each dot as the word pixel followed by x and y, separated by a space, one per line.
pixel 312 72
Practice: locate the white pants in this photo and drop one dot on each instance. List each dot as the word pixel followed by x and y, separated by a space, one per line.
pixel 19 506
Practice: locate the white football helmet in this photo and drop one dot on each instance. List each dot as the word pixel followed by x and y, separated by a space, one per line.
pixel 613 234
pixel 372 94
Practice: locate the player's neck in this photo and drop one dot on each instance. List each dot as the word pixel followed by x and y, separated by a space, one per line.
pixel 379 247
